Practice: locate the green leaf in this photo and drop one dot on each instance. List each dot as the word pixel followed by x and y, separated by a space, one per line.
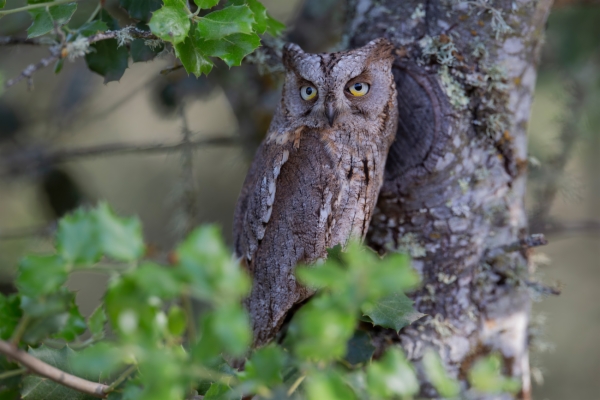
pixel 176 321
pixel 9 387
pixel 231 325
pixel 395 311
pixel 108 59
pixel 437 375
pixel 142 53
pixel 77 236
pixel 108 19
pixel 265 367
pixel 92 27
pixel 44 18
pixel 206 3
pixel 2 3
pixel 171 22
pixel 274 27
pixel 328 385
pixel 392 376
pixel 74 326
pixel 225 22
pixel 321 329
pixel 100 359
pixel 155 280
pixel 233 48
pixel 192 55
pixel 51 315
pixel 37 388
pixel 360 348
pixel 41 275
pixel 120 238
pixel 217 391
pixel 84 236
pixel 486 376
pixel 140 9
pixel 10 314
pixel 206 264
pixel 96 323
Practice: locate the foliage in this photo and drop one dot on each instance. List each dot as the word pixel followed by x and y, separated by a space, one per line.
pixel 146 338
pixel 229 32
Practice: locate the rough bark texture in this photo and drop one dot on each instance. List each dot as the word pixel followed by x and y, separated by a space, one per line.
pixel 454 187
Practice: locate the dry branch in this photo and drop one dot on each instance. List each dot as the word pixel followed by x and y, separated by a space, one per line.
pixel 57 53
pixel 22 162
pixel 39 367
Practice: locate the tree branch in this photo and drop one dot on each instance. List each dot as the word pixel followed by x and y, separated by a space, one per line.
pixel 56 52
pixel 26 161
pixel 10 40
pixel 39 367
pixel 33 6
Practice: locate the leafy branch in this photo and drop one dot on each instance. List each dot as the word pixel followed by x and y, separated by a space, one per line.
pixel 48 371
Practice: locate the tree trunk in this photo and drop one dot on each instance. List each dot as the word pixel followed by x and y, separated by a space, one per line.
pixel 455 178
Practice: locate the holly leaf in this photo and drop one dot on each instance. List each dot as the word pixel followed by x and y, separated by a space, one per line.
pixel 74 325
pixel 108 59
pixel 360 348
pixel 41 275
pixel 38 388
pixel 44 18
pixel 171 22
pixel 233 48
pixel 392 376
pixel 120 238
pixel 265 367
pixel 438 376
pixel 203 4
pixel 233 19
pixel 274 27
pixel 193 56
pixel 395 311
pixel 140 9
pixel 10 314
pixel 142 53
pixel 96 323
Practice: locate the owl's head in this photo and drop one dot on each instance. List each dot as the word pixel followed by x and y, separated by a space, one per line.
pixel 342 89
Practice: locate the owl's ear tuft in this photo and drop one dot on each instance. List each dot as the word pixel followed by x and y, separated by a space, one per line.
pixel 380 48
pixel 291 53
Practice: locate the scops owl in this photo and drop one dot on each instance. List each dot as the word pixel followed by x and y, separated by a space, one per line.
pixel 315 179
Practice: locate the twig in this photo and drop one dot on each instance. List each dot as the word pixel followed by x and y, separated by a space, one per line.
pixel 189 198
pixel 188 308
pixel 10 40
pixel 33 6
pixel 11 373
pixel 39 367
pixel 19 330
pixel 543 289
pixel 30 160
pixel 534 240
pixel 56 52
pixel 132 368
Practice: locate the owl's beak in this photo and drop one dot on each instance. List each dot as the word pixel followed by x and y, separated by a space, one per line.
pixel 330 113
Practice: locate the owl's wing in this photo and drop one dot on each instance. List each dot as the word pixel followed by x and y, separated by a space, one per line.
pixel 255 204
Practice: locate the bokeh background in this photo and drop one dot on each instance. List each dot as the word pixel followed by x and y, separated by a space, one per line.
pixel 74 110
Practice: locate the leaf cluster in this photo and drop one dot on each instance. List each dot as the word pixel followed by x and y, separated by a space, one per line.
pixel 146 341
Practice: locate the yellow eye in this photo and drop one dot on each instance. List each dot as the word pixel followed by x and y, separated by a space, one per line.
pixel 359 89
pixel 308 92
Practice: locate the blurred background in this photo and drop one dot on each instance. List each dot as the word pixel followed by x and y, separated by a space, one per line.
pixel 53 159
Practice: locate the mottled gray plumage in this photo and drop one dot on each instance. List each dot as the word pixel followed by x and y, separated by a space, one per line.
pixel 315 178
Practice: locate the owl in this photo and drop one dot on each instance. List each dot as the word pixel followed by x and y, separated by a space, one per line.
pixel 314 181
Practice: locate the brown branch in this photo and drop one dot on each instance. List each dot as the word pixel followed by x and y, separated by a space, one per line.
pixel 534 240
pixel 56 52
pixel 12 41
pixel 27 161
pixel 40 368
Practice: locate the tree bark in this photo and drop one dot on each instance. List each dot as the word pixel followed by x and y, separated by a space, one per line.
pixel 455 181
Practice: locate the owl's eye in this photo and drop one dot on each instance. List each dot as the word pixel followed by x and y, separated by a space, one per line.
pixel 308 92
pixel 359 89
